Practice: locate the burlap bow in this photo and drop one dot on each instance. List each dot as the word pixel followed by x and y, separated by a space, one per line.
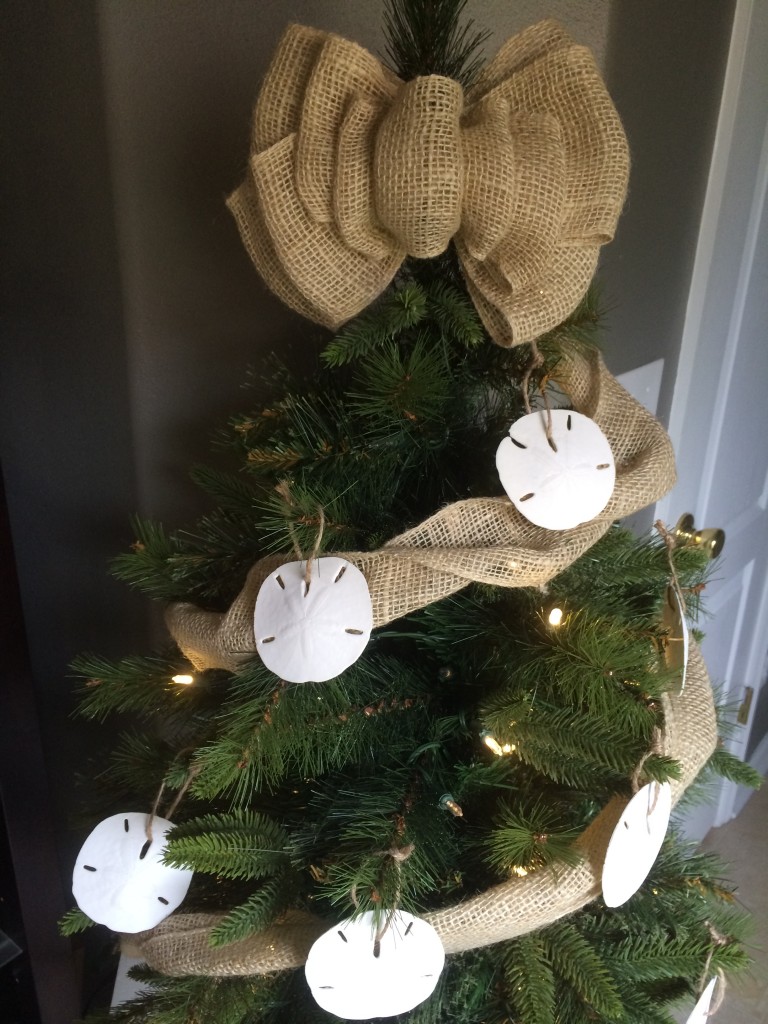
pixel 351 170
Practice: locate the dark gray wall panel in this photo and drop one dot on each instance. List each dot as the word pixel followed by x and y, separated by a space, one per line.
pixel 665 64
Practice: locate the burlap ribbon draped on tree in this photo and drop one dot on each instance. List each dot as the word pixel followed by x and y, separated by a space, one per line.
pixel 352 169
pixel 485 540
pixel 180 946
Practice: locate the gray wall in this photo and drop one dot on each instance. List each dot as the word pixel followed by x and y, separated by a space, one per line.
pixel 131 311
pixel 664 67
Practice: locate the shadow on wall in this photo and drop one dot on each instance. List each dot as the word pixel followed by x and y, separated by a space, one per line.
pixel 664 68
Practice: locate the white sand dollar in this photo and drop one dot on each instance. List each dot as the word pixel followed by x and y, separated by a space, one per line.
pixel 676 641
pixel 700 1012
pixel 119 878
pixel 559 485
pixel 635 842
pixel 312 632
pixel 347 978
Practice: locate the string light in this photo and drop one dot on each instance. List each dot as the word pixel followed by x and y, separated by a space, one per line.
pixel 449 804
pixel 521 872
pixel 183 679
pixel 493 744
pixel 555 616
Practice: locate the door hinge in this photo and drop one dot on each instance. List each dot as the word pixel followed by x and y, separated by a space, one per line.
pixel 746 705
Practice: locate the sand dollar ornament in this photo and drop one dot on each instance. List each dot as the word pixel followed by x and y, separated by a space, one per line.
pixel 120 879
pixel 310 626
pixel 355 977
pixel 559 478
pixel 635 842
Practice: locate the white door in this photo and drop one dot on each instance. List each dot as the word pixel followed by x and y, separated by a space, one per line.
pixel 719 420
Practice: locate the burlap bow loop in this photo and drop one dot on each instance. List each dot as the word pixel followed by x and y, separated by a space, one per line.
pixel 352 170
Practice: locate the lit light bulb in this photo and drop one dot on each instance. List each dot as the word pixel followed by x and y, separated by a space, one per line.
pixel 183 679
pixel 492 743
pixel 555 616
pixel 519 871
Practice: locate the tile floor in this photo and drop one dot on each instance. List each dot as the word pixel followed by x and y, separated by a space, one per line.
pixel 742 846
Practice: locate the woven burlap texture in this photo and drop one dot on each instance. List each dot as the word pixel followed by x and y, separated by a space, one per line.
pixel 484 540
pixel 351 170
pixel 180 944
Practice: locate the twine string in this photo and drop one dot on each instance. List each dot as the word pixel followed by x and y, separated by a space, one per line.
pixel 192 774
pixel 669 542
pixel 399 856
pixel 536 361
pixel 719 995
pixel 316 548
pixel 284 490
pixel 655 748
pixel 153 812
pixel 718 940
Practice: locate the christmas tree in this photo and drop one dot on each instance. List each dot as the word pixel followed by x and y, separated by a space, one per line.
pixel 403 709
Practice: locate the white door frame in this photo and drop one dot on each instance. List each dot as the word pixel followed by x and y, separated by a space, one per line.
pixel 708 352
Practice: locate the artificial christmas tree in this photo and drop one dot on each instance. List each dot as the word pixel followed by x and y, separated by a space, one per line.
pixel 469 766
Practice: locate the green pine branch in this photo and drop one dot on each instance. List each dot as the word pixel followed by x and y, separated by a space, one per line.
pixel 576 961
pixel 426 37
pixel 398 309
pixel 74 922
pixel 232 491
pixel 189 1000
pixel 139 684
pixel 454 314
pixel 531 839
pixel 146 566
pixel 402 389
pixel 137 765
pixel 255 913
pixel 530 979
pixel 240 844
pixel 730 767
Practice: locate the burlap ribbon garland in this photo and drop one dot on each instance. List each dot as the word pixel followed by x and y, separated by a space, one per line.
pixel 180 946
pixel 352 169
pixel 484 540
